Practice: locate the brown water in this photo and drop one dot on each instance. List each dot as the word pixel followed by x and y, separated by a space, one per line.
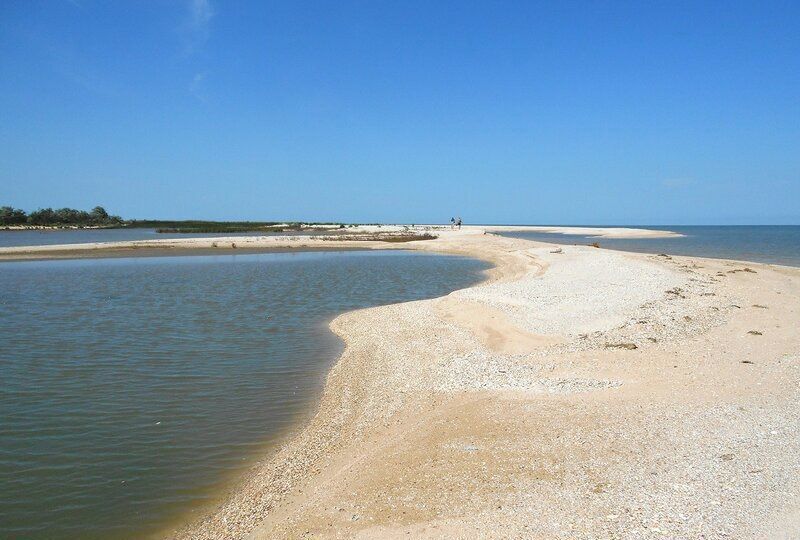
pixel 133 387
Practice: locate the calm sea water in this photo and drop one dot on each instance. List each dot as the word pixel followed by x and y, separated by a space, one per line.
pixel 132 388
pixel 82 236
pixel 766 243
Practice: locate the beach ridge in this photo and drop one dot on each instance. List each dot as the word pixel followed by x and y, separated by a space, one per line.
pixel 427 427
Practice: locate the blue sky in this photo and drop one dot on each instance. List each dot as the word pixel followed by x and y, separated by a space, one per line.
pixel 501 112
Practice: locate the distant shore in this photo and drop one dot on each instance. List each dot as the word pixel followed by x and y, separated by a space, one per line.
pixel 183 226
pixel 358 237
pixel 55 227
pixel 603 232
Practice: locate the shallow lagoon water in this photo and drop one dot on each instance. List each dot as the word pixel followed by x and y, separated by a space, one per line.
pixel 132 388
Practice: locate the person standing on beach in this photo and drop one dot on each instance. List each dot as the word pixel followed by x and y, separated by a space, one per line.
pixel 452 223
pixel 458 222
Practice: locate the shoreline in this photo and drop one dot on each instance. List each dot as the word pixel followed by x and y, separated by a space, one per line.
pixel 251 245
pixel 594 232
pixel 193 522
pixel 270 450
pixel 388 395
pixel 212 245
pixel 136 252
pixel 531 403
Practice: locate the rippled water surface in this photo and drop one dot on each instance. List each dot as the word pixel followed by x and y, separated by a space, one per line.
pixel 133 387
pixel 774 244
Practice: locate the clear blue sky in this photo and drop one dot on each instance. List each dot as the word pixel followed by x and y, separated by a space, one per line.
pixel 501 112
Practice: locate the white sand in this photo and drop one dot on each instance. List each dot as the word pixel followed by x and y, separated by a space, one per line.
pixel 332 241
pixel 596 288
pixel 600 232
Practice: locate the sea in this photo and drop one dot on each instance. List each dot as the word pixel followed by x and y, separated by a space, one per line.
pixel 772 244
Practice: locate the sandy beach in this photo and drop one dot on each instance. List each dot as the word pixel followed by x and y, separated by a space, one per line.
pixel 599 232
pixel 358 237
pixel 576 393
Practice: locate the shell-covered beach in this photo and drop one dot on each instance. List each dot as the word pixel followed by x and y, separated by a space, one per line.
pixel 577 392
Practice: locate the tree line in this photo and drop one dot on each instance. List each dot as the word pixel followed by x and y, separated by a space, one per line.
pixel 61 216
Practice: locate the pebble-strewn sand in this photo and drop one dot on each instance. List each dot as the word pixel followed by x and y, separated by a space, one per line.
pixel 581 394
pixel 584 393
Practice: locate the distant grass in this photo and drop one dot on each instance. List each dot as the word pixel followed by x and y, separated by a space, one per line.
pixel 407 238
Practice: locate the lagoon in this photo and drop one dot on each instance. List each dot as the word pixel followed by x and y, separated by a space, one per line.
pixel 135 389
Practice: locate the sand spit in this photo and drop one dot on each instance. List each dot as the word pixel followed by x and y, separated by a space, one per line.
pixel 600 232
pixel 364 239
pixel 360 237
pixel 581 394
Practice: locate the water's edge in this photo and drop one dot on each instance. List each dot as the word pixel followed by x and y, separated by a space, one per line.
pixel 207 497
pixel 194 518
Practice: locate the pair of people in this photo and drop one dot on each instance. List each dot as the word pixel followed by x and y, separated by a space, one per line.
pixel 455 222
